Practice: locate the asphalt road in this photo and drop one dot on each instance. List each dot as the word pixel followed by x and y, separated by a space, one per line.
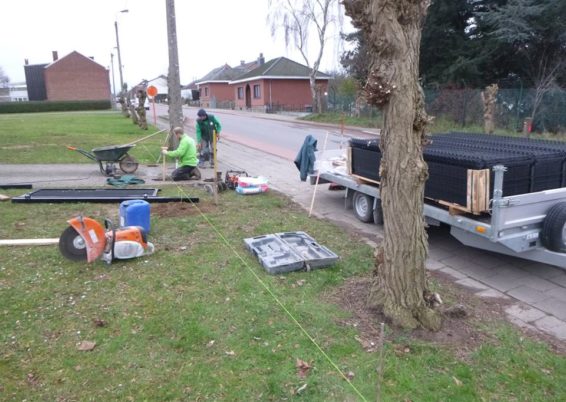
pixel 278 135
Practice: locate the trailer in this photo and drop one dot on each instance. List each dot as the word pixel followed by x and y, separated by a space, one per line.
pixel 530 226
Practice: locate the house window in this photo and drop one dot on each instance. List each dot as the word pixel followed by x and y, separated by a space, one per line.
pixel 257 92
pixel 205 91
pixel 240 92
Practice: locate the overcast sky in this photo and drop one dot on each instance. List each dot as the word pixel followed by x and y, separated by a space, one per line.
pixel 209 33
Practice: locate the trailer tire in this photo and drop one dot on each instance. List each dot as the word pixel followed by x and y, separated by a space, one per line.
pixel 363 207
pixel 553 234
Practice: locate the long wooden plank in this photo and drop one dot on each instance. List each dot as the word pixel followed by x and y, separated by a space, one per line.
pixel 29 242
pixel 362 179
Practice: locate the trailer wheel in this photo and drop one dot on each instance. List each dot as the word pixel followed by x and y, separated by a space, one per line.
pixel 363 207
pixel 553 235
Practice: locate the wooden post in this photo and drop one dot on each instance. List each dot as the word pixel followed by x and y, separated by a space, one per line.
pixel 163 166
pixel 164 146
pixel 215 167
pixel 317 177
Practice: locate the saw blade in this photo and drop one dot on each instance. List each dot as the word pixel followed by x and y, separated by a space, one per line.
pixel 72 245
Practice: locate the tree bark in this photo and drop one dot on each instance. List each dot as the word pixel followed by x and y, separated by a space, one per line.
pixel 173 77
pixel 393 29
pixel 142 95
pixel 489 98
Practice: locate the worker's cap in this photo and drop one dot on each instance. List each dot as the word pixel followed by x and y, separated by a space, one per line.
pixel 201 113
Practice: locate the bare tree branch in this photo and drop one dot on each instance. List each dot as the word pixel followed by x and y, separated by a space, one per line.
pixel 296 18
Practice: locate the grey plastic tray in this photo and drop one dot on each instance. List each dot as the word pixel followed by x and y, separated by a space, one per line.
pixel 289 251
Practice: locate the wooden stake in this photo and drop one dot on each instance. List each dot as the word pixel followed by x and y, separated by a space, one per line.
pixel 317 176
pixel 165 144
pixel 164 166
pixel 215 167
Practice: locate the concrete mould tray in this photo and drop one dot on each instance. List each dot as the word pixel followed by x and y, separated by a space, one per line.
pixel 289 251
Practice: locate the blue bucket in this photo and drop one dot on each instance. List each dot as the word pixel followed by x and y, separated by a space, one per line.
pixel 135 213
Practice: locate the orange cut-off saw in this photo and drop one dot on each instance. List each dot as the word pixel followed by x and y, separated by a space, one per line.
pixel 87 240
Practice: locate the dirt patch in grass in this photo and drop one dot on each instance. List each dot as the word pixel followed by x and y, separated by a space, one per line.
pixel 177 209
pixel 463 335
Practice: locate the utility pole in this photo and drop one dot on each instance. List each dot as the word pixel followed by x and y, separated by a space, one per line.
pixel 113 81
pixel 118 48
pixel 119 58
pixel 174 81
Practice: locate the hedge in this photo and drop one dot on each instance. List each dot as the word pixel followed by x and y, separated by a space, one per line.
pixel 53 106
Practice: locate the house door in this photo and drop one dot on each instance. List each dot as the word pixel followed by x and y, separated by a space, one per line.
pixel 248 97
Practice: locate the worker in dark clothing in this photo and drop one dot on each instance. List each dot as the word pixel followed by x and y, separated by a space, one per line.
pixel 207 124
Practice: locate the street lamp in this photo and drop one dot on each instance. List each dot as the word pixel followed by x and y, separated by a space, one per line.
pixel 119 56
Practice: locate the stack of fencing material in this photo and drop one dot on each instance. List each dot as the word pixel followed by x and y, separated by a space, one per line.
pixel 455 160
pixel 547 170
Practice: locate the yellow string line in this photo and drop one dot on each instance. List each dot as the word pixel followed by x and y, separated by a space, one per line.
pixel 266 287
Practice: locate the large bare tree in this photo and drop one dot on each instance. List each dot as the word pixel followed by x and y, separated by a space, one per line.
pixel 173 78
pixel 297 18
pixel 392 29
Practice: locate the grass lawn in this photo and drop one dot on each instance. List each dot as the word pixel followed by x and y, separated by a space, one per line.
pixel 43 137
pixel 195 321
pixel 201 320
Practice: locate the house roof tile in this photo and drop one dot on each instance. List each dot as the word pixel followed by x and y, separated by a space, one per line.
pixel 281 67
pixel 222 73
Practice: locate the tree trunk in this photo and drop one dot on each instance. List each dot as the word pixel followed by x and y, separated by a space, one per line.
pixel 173 78
pixel 134 115
pixel 312 82
pixel 142 95
pixel 393 29
pixel 489 98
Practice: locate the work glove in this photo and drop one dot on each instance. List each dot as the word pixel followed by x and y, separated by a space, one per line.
pixel 164 151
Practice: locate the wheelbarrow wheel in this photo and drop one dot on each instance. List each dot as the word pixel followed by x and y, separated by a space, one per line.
pixel 128 164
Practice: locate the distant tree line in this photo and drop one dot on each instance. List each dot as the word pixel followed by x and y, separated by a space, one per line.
pixel 474 43
pixel 517 44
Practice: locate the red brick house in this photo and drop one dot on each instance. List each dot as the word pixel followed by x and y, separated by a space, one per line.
pixel 215 90
pixel 279 84
pixel 76 77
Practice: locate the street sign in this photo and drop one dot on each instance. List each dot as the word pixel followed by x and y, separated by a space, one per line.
pixel 151 91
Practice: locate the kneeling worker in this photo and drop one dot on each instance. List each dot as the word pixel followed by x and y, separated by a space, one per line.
pixel 186 152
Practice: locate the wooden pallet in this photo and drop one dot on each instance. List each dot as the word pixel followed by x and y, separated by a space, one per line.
pixel 477 194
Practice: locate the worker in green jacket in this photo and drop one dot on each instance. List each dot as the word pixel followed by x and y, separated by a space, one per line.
pixel 186 153
pixel 207 124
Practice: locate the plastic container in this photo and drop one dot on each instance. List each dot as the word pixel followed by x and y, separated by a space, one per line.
pixel 135 213
pixel 252 185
